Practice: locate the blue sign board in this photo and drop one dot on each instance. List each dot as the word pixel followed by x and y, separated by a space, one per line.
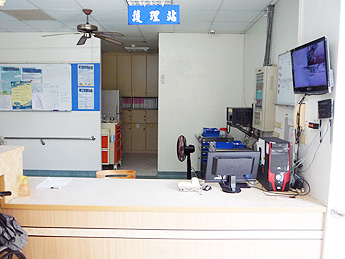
pixel 153 14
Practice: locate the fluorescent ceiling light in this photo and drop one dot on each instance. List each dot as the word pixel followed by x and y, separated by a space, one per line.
pixel 137 49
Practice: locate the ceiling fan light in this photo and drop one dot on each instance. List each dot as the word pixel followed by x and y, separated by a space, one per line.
pixel 2 2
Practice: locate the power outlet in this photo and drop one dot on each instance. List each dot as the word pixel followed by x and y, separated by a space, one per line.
pixel 276 134
pixel 303 139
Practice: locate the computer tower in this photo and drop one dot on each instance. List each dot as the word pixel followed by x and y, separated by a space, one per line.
pixel 274 171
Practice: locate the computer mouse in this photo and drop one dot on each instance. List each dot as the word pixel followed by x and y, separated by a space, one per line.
pixel 207 188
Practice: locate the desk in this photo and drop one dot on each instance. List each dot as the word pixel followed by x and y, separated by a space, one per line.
pixel 142 218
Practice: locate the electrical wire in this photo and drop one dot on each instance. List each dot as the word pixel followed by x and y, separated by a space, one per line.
pixel 317 148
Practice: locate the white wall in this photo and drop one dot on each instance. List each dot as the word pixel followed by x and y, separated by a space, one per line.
pixel 284 38
pixel 203 75
pixel 318 18
pixel 254 52
pixel 55 155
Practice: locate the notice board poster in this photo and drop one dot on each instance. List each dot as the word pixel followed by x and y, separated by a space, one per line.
pixel 35 87
pixel 86 85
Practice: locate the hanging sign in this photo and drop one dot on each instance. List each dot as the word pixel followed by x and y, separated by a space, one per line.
pixel 153 14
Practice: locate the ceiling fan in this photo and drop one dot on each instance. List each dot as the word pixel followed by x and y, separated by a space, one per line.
pixel 88 30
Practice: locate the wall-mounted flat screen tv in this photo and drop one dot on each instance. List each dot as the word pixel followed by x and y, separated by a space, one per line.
pixel 311 71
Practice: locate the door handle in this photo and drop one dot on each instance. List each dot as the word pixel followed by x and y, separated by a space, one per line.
pixel 337 214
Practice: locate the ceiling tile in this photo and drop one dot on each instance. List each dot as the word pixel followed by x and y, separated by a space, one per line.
pixel 201 5
pixel 67 15
pixel 61 4
pixel 104 4
pixel 47 26
pixel 230 26
pixel 148 29
pixel 237 16
pixel 110 15
pixel 258 5
pixel 16 26
pixel 5 17
pixel 29 15
pixel 18 5
pixel 197 16
pixel 193 27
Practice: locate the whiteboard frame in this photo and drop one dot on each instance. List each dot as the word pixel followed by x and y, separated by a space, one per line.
pixel 42 66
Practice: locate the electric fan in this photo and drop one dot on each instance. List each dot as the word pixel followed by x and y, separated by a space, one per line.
pixel 183 152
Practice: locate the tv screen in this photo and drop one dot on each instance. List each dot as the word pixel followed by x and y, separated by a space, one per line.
pixel 311 68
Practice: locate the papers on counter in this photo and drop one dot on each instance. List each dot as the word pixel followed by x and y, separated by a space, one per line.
pixel 53 183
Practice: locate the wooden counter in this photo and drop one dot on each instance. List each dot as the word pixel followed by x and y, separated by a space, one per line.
pixel 141 218
pixel 11 169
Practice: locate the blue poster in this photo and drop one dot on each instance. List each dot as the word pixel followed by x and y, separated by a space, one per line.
pixel 153 14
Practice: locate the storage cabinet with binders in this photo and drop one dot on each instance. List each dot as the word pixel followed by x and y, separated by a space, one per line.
pixel 136 76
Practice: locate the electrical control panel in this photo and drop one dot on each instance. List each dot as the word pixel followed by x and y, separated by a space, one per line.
pixel 265 96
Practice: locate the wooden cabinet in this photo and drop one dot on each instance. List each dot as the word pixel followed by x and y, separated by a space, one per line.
pixel 138 137
pixel 152 76
pixel 111 144
pixel 124 74
pixel 140 131
pixel 133 75
pixel 151 116
pixel 127 137
pixel 138 116
pixel 109 71
pixel 138 76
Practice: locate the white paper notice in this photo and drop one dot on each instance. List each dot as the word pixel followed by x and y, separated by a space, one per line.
pixel 86 97
pixel 53 183
pixel 86 75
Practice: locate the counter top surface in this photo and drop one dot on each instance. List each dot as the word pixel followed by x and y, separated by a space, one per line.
pixel 138 194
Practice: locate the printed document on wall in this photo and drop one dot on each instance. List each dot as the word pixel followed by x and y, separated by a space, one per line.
pixel 86 97
pixel 86 75
pixel 21 95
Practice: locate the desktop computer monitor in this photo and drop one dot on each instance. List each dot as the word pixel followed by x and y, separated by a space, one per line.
pixel 232 169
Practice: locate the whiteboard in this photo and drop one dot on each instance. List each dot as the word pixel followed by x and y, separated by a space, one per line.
pixel 285 94
pixel 35 87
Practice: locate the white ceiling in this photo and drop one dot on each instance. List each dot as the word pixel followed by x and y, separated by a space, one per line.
pixel 196 16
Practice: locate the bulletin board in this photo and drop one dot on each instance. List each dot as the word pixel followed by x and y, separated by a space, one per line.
pixel 285 94
pixel 50 87
pixel 86 87
pixel 35 87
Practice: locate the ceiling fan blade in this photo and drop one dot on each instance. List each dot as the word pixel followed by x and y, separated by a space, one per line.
pixel 109 39
pixel 59 34
pixel 111 33
pixel 82 40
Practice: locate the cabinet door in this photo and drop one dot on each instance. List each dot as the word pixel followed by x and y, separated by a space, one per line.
pixel 109 71
pixel 138 137
pixel 127 116
pixel 151 116
pixel 151 137
pixel 138 116
pixel 124 74
pixel 127 137
pixel 138 76
pixel 152 76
